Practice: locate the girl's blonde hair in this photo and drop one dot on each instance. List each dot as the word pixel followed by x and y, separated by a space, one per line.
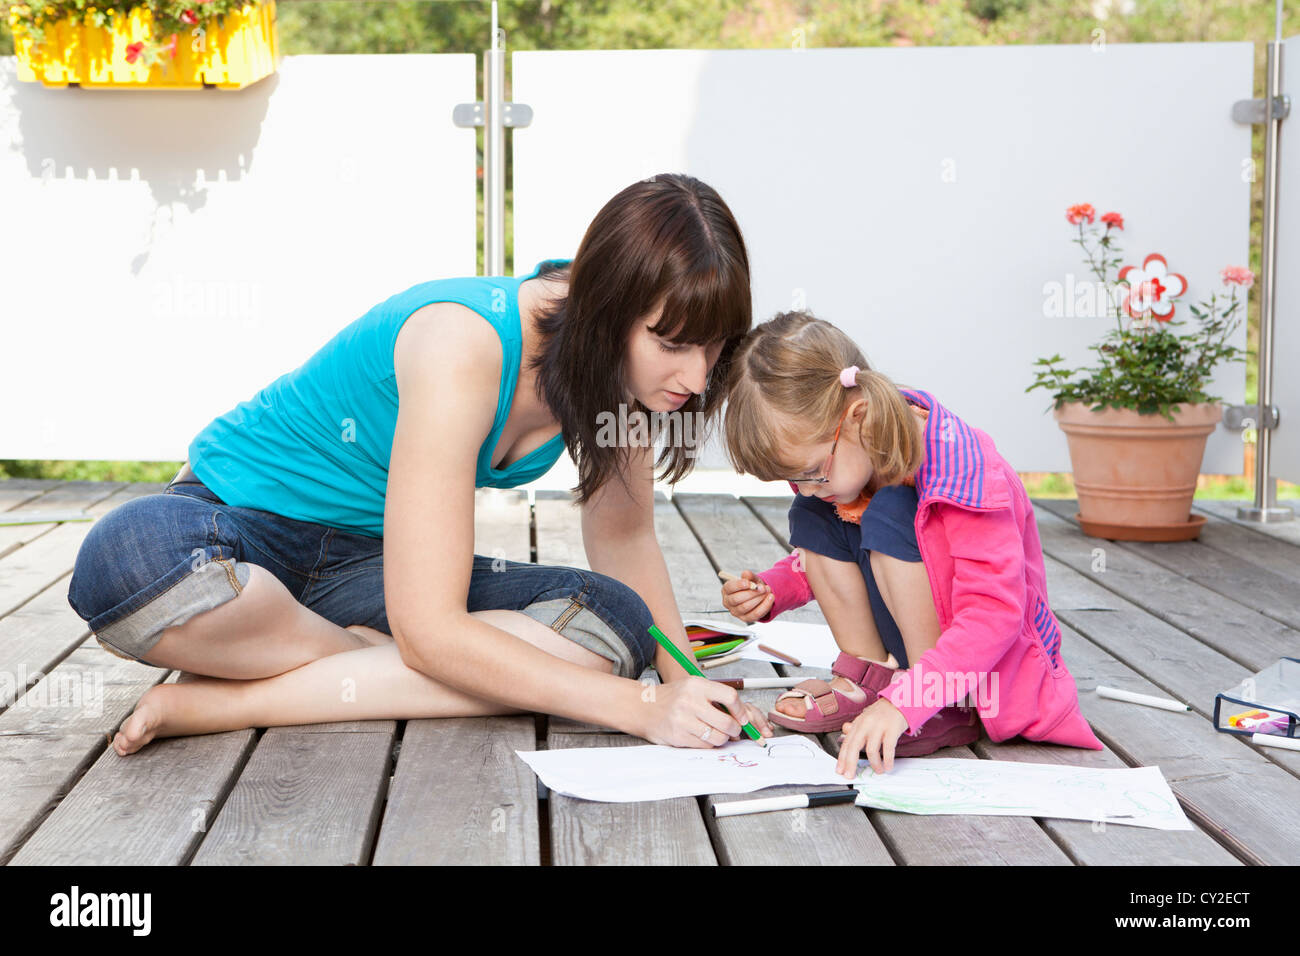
pixel 784 389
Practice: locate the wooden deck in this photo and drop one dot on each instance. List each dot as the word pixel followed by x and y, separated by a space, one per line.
pixel 1184 620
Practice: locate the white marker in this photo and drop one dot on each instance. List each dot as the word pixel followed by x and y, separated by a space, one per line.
pixel 1164 703
pixel 795 801
pixel 1272 740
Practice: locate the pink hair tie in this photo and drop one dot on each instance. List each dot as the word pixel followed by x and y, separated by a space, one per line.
pixel 849 377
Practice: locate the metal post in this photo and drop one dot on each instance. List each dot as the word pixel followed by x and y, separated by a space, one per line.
pixel 494 153
pixel 495 115
pixel 1265 508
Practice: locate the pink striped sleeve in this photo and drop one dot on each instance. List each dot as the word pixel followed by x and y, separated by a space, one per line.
pixel 789 586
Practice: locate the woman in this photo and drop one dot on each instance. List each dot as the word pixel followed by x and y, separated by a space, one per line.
pixel 315 557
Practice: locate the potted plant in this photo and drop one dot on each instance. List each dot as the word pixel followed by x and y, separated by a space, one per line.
pixel 139 44
pixel 1137 421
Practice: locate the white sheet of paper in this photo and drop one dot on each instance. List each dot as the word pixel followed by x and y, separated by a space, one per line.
pixel 629 774
pixel 810 644
pixel 924 785
pixel 1137 796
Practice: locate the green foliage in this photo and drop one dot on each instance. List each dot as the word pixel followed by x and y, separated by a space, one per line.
pixel 995 9
pixel 1144 366
pixel 148 471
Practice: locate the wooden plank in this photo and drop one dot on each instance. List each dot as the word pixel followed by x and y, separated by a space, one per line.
pixel 303 799
pixel 57 728
pixel 1224 785
pixel 1227 511
pixel 150 808
pixel 20 492
pixel 501 524
pixel 1278 554
pixel 1256 587
pixel 90 692
pixel 1089 843
pixel 966 839
pixel 38 770
pixel 559 534
pixel 650 833
pixel 1228 628
pixel 41 628
pixel 47 557
pixel 1180 665
pixel 58 496
pixel 460 795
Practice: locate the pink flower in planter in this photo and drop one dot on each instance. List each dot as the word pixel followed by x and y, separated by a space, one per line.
pixel 1238 275
pixel 1076 214
pixel 1152 289
pixel 133 51
pixel 171 47
pixel 1113 219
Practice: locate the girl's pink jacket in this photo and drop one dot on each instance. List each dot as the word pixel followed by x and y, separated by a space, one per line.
pixel 1000 641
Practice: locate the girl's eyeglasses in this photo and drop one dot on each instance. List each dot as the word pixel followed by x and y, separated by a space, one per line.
pixel 830 459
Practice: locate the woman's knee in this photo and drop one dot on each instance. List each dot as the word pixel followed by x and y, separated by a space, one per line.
pixel 601 614
pixel 138 572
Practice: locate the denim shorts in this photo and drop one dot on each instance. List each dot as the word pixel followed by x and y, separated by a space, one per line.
pixel 888 526
pixel 155 561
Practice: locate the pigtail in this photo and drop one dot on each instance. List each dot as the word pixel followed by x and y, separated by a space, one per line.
pixel 889 431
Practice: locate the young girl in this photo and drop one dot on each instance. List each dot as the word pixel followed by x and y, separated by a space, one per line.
pixel 919 543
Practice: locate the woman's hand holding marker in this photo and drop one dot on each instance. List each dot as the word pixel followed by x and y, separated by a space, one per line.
pixel 747 597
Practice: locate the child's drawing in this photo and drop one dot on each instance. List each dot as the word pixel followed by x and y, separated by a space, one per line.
pixel 787 748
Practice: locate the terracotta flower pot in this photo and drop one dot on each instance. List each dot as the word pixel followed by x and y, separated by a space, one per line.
pixel 1135 475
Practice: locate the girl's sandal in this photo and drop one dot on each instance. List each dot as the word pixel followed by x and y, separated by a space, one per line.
pixel 829 709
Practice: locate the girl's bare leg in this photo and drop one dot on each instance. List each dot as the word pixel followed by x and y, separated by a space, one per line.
pixel 261 632
pixel 841 591
pixel 905 588
pixel 365 684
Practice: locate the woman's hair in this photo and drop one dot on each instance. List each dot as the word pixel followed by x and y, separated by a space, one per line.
pixel 668 240
pixel 785 390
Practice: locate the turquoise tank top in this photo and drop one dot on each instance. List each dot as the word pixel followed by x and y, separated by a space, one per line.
pixel 315 444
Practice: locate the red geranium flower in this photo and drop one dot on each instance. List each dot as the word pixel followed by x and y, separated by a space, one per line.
pixel 189 17
pixel 133 51
pixel 1238 275
pixel 1113 219
pixel 171 47
pixel 1076 214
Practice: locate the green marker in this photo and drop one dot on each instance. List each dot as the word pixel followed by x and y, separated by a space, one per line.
pixel 690 668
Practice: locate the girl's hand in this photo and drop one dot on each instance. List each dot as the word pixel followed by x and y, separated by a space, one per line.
pixel 876 730
pixel 681 710
pixel 747 598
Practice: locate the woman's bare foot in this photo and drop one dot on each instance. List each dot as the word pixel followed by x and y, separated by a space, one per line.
pixel 370 635
pixel 145 722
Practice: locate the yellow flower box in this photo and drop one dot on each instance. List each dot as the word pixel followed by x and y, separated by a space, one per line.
pixel 229 57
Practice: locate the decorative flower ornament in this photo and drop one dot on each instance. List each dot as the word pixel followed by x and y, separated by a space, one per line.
pixel 1152 289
